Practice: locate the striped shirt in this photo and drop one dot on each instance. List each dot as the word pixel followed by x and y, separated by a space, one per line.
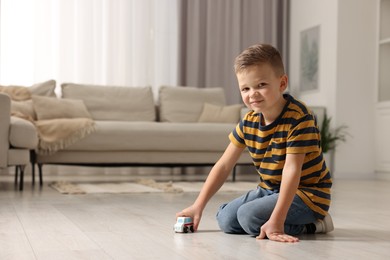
pixel 295 131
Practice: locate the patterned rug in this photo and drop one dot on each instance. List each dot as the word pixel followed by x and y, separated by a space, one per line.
pixel 145 186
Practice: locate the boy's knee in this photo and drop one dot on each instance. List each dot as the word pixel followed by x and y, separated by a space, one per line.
pixel 249 222
pixel 227 222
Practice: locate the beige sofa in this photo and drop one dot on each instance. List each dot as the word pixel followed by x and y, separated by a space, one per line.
pixel 132 126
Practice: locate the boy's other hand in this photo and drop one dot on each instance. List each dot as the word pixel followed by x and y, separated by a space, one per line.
pixel 275 233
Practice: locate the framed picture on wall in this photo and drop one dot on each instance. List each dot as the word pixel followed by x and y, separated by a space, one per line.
pixel 309 54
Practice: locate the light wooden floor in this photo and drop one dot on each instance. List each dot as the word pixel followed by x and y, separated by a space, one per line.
pixel 43 224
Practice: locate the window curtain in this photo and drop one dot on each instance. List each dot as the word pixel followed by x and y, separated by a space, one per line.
pixel 121 42
pixel 213 33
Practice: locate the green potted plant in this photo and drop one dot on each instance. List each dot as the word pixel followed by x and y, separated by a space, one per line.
pixel 330 138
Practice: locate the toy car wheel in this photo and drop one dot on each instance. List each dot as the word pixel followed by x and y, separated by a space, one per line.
pixel 185 229
pixel 192 229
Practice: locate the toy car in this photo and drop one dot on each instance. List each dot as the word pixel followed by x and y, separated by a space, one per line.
pixel 183 224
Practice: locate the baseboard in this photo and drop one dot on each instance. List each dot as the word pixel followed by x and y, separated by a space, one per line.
pixel 383 176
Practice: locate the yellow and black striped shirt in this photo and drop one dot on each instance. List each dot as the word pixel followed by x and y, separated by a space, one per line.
pixel 294 131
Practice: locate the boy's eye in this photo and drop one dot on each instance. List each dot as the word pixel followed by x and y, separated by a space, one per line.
pixel 262 85
pixel 244 89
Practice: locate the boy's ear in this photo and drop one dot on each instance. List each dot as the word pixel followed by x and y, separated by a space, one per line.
pixel 283 82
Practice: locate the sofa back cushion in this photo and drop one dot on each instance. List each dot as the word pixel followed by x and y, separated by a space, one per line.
pixel 185 104
pixel 114 103
pixel 220 114
pixel 45 88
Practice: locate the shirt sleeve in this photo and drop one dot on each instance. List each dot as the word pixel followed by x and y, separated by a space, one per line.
pixel 237 135
pixel 304 136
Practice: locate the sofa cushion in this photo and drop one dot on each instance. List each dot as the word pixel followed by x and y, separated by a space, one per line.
pixel 155 136
pixel 23 109
pixel 53 108
pixel 19 93
pixel 185 104
pixel 114 103
pixel 220 114
pixel 22 134
pixel 45 88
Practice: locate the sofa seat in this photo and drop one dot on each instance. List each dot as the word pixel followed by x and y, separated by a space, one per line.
pixel 155 136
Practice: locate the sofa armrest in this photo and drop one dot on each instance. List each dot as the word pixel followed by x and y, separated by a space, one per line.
pixel 5 112
pixel 22 134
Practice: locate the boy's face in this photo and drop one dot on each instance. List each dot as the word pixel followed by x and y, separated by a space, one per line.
pixel 261 89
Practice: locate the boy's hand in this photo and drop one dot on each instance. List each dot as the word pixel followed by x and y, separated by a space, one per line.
pixel 276 233
pixel 192 212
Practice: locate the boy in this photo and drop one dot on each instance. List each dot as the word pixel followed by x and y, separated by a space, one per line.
pixel 283 139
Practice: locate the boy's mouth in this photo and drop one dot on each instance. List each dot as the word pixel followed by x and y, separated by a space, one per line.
pixel 256 102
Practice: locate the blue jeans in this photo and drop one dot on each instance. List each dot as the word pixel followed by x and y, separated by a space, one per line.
pixel 249 212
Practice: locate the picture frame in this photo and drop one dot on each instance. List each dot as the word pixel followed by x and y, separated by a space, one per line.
pixel 309 59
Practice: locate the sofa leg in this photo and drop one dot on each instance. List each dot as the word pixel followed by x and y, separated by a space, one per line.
pixel 16 174
pixel 33 160
pixel 40 174
pixel 22 167
pixel 234 173
pixel 33 174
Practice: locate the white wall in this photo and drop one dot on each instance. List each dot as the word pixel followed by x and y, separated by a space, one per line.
pixel 356 88
pixel 346 74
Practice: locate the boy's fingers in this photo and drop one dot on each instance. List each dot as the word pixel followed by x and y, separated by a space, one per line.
pixel 181 214
pixel 262 235
pixel 196 223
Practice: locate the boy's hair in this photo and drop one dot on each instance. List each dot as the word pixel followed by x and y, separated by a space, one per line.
pixel 258 54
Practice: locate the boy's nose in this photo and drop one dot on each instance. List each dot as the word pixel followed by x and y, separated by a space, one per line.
pixel 255 94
